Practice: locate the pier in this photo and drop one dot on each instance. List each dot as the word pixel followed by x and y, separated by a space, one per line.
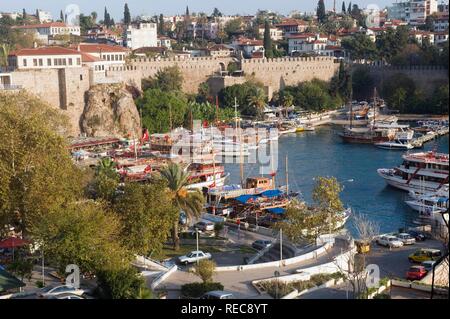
pixel 419 141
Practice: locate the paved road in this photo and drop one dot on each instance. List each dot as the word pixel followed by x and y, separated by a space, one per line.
pixel 343 291
pixel 239 282
pixel 394 262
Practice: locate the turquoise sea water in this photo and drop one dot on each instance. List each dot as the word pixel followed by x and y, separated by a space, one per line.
pixel 322 153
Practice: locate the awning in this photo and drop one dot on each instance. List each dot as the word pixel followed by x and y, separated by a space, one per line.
pixel 246 198
pixel 9 282
pixel 12 242
pixel 442 200
pixel 277 210
pixel 272 193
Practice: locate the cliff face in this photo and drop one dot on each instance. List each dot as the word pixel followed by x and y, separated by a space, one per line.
pixel 110 111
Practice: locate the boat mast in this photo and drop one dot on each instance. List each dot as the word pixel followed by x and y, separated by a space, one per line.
pixel 375 104
pixel 238 133
pixel 287 176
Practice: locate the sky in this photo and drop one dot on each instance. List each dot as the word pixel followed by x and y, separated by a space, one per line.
pixel 171 7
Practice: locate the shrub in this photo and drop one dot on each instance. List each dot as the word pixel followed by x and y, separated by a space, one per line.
pixel 382 296
pixel 205 270
pixel 40 284
pixel 196 290
pixel 218 227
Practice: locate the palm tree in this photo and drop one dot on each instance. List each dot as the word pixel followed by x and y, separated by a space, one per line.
pixel 257 100
pixel 191 202
pixel 107 167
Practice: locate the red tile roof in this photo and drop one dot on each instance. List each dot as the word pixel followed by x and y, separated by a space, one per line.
pixel 45 51
pixel 42 25
pixel 95 48
pixel 85 57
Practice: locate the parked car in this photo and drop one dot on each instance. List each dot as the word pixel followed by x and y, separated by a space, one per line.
pixel 217 295
pixel 416 273
pixel 65 296
pixel 428 265
pixel 268 221
pixel 425 254
pixel 389 241
pixel 417 235
pixel 205 226
pixel 261 244
pixel 193 257
pixel 407 239
pixel 59 290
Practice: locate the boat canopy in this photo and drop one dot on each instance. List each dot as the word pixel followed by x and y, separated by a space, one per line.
pixel 276 210
pixel 272 193
pixel 246 198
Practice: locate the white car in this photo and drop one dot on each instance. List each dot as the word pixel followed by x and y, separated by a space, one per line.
pixel 193 257
pixel 65 296
pixel 204 226
pixel 407 239
pixel 389 241
pixel 52 291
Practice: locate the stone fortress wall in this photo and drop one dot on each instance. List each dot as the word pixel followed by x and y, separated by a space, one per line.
pixel 66 88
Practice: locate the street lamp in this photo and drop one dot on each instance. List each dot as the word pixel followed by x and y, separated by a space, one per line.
pixel 196 235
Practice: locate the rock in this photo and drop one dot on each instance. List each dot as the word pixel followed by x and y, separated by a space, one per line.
pixel 110 111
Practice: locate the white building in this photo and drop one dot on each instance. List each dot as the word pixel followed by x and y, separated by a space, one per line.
pixel 414 12
pixel 44 16
pixel 250 48
pixel 142 35
pixel 45 30
pixel 44 58
pixel 164 42
pixel 12 15
pixel 276 34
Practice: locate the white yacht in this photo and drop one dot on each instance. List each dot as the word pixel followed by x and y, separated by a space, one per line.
pixel 423 172
pixel 394 145
pixel 427 205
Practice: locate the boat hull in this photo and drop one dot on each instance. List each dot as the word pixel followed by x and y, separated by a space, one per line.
pixel 219 182
pixel 414 185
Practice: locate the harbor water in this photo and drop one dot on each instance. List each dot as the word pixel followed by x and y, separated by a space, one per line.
pixel 323 153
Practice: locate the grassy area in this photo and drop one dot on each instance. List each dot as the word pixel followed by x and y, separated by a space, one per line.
pixel 169 252
pixel 247 250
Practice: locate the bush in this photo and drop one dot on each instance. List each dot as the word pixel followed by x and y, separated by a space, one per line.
pixel 382 296
pixel 205 270
pixel 196 290
pixel 40 284
pixel 120 284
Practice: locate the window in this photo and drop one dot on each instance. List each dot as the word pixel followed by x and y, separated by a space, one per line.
pixel 70 61
pixel 35 62
pixel 81 77
pixel 108 57
pixel 41 63
pixel 24 62
pixel 64 61
pixel 49 62
pixel 78 61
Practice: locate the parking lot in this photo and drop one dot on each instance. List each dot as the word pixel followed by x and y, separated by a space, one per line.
pixel 394 262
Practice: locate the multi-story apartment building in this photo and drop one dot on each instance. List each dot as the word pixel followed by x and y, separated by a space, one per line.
pixel 276 34
pixel 414 12
pixel 44 16
pixel 141 35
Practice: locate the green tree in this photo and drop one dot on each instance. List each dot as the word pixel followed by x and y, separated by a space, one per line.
pixel 36 172
pixel 146 214
pixel 216 13
pixel 106 180
pixel 360 47
pixel 162 110
pixel 191 202
pixel 233 27
pixel 343 10
pixel 362 84
pixel 326 194
pixel 61 16
pixel 124 283
pixel 161 26
pixel 398 90
pixel 82 233
pixel 257 99
pixel 321 14
pixel 267 40
pixel 94 16
pixel 349 9
pixel 21 267
pixel 205 269
pixel 167 79
pixel 126 15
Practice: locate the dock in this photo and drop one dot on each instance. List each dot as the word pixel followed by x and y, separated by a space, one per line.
pixel 419 141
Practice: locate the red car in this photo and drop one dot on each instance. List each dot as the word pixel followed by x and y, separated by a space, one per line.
pixel 416 273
